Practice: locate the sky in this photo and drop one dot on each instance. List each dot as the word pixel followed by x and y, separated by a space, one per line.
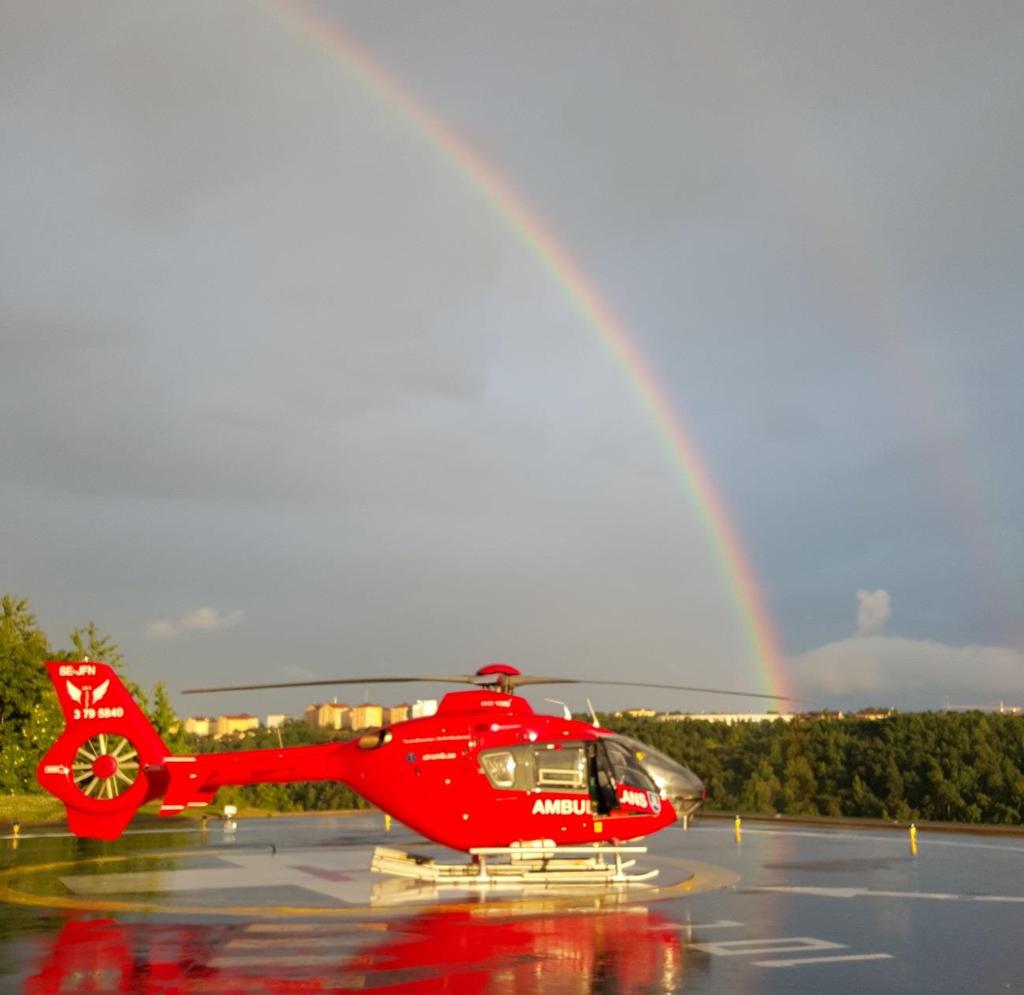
pixel 288 394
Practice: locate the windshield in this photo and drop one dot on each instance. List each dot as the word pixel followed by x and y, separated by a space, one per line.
pixel 626 767
pixel 672 778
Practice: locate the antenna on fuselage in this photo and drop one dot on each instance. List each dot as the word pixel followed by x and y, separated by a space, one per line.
pixel 593 715
pixel 565 708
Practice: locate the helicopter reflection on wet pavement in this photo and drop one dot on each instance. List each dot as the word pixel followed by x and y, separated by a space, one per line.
pixel 473 951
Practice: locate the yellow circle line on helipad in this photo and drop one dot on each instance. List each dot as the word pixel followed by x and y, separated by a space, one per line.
pixel 702 877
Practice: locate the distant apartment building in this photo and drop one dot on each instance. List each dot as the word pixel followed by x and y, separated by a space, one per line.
pixel 999 707
pixel 396 713
pixel 366 716
pixel 329 715
pixel 335 715
pixel 227 725
pixel 422 708
pixel 198 726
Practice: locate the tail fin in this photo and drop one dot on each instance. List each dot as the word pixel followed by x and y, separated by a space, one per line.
pixel 109 760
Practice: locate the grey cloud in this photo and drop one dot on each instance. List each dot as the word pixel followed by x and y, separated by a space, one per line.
pixel 262 340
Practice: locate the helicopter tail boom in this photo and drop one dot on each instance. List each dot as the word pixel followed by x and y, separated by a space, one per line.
pixel 110 760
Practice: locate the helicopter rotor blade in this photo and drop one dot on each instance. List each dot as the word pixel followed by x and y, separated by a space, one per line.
pixel 432 678
pixel 524 680
pixel 482 680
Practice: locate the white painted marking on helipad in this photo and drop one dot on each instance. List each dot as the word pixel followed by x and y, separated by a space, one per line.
pixel 239 870
pixel 765 945
pixel 278 961
pixel 717 924
pixel 833 959
pixel 933 896
pixel 265 944
pixel 318 929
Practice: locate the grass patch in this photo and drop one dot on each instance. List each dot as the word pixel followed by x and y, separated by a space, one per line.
pixel 30 809
pixel 43 810
pixel 36 810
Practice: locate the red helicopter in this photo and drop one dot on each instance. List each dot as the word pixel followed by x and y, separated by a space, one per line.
pixel 485 771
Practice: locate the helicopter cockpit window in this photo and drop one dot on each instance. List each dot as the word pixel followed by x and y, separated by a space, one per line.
pixel 500 768
pixel 627 768
pixel 560 767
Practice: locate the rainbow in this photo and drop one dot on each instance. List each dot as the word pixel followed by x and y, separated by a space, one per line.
pixel 586 299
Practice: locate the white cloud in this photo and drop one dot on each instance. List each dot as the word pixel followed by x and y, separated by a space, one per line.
pixel 199 620
pixel 874 609
pixel 162 629
pixel 912 670
pixel 210 619
pixel 907 672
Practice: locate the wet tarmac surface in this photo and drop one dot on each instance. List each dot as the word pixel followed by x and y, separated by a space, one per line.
pixel 289 905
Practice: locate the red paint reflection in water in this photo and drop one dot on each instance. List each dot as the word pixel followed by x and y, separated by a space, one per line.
pixel 627 952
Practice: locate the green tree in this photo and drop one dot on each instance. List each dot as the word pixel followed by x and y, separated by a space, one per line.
pixel 165 720
pixel 762 790
pixel 28 705
pixel 799 787
pixel 87 643
pixel 23 648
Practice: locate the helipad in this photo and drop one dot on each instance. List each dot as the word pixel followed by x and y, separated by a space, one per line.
pixel 289 903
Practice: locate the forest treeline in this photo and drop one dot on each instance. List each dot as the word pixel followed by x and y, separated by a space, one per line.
pixel 941 766
pixel 958 767
pixel 946 766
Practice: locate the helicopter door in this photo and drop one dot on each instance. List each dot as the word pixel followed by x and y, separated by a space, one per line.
pixel 601 779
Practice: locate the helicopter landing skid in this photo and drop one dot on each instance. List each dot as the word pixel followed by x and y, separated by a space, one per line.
pixel 525 865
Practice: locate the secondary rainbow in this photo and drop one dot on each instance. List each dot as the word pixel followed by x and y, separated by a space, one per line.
pixel 853 258
pixel 586 299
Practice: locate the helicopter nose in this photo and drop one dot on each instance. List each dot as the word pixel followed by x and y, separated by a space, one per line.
pixel 686 792
pixel 679 785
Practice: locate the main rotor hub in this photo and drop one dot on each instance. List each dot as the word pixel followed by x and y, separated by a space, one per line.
pixel 500 676
pixel 498 668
